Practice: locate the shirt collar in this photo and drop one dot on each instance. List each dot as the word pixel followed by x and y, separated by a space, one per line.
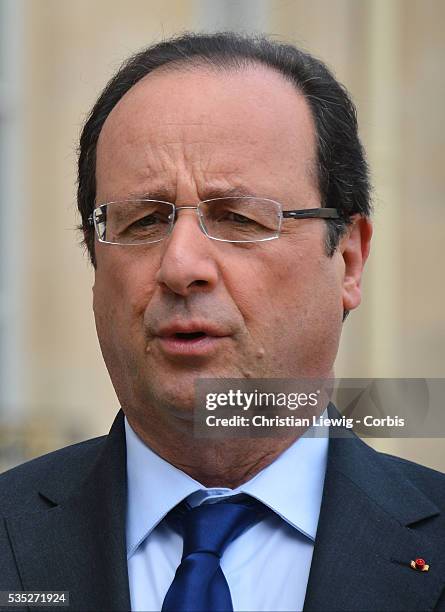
pixel 154 487
pixel 292 486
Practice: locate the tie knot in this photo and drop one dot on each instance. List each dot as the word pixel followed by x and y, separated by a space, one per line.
pixel 210 528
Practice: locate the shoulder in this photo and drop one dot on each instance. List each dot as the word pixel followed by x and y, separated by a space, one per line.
pixel 20 487
pixel 403 488
pixel 431 482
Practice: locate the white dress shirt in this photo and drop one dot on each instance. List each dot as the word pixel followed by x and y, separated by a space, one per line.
pixel 266 567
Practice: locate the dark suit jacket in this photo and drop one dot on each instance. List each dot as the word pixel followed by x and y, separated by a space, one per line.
pixel 63 528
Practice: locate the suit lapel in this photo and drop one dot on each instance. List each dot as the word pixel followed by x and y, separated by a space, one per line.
pixel 367 537
pixel 78 544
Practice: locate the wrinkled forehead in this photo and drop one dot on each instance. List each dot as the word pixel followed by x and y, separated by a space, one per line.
pixel 216 121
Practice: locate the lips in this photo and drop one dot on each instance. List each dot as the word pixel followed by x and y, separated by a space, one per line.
pixel 190 338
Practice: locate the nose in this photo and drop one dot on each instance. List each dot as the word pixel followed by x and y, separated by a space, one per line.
pixel 188 261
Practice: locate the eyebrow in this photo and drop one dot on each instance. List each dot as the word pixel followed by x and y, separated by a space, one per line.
pixel 165 195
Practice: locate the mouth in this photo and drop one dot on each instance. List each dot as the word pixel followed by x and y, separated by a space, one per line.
pixel 190 335
pixel 190 340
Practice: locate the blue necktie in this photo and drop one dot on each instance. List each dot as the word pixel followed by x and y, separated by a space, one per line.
pixel 199 584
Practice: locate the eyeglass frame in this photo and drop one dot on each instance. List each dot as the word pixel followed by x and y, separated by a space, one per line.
pixel 308 213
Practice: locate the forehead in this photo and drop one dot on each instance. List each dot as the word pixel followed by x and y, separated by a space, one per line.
pixel 199 120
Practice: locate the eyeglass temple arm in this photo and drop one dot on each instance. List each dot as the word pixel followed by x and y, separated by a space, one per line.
pixel 310 213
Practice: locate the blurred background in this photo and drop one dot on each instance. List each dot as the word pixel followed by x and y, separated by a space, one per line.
pixel 56 56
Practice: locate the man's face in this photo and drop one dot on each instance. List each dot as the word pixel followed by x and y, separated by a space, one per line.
pixel 271 309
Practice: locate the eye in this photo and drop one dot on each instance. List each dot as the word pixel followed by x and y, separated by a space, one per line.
pixel 144 221
pixel 235 217
pixel 147 220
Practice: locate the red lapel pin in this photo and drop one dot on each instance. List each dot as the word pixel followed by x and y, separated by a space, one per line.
pixel 420 565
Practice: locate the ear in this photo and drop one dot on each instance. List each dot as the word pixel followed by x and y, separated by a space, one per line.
pixel 354 247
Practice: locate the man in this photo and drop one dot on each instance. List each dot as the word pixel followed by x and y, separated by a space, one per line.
pixel 224 197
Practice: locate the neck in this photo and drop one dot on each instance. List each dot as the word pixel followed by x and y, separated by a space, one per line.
pixel 213 463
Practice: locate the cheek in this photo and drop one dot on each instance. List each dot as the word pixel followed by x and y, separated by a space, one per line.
pixel 249 282
pixel 122 290
pixel 305 288
pixel 120 296
pixel 259 285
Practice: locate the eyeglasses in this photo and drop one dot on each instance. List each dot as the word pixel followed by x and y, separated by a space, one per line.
pixel 229 219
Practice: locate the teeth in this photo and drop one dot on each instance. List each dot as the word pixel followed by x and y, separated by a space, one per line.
pixel 190 336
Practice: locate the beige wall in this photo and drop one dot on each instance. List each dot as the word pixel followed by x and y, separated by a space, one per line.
pixel 389 53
